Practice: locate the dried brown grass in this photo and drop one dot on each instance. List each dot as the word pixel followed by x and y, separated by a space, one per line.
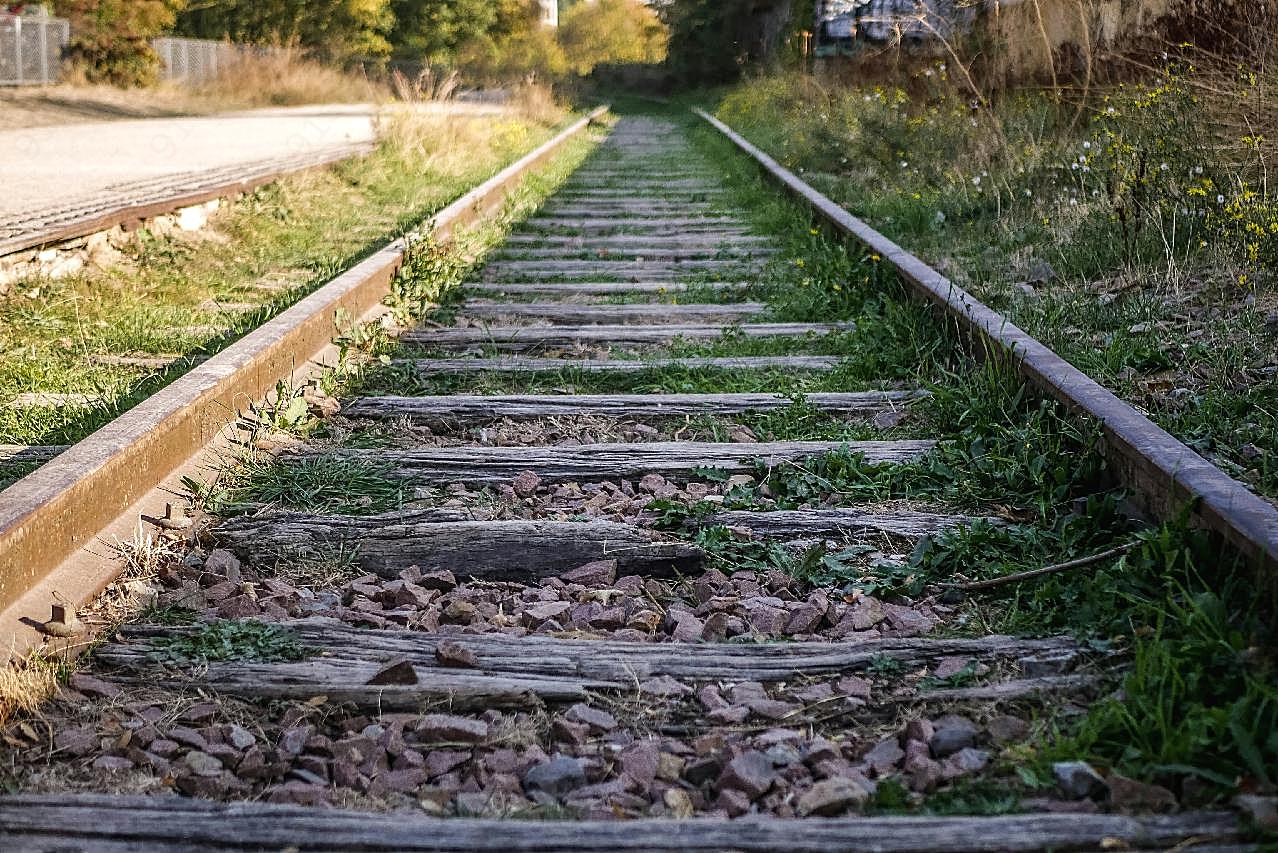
pixel 25 687
pixel 286 78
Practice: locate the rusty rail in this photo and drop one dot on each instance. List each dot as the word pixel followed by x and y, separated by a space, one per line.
pixel 1160 469
pixel 48 517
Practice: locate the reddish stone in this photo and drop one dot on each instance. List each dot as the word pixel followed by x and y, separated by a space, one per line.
pixel 750 773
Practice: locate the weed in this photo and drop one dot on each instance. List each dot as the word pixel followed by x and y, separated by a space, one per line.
pixel 320 484
pixel 171 614
pixel 974 797
pixel 227 640
pixel 964 677
pixel 883 666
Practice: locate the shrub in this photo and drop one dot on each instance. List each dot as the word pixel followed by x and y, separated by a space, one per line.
pixel 110 39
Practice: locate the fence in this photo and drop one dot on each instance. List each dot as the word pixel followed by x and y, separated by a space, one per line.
pixel 31 49
pixel 198 60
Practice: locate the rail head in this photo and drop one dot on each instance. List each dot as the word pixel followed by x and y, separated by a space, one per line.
pixel 1162 471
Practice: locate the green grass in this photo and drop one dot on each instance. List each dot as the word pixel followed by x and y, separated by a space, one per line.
pixel 322 484
pixel 1171 318
pixel 298 231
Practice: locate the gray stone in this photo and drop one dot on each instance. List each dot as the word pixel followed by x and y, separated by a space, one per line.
pixel 441 581
pixel 1078 780
pixel 688 629
pixel 112 763
pixel 854 686
pixel 240 737
pixel 598 573
pixel 224 563
pixel 446 727
pixel 965 762
pixel 202 764
pixel 952 734
pixel 526 484
pixel 884 757
pixel 77 741
pixel 440 761
pixel 734 802
pixel 93 687
pixel 751 773
pixel 920 730
pixel 293 741
pixel 593 717
pixel 1129 795
pixel 703 770
pixel 556 777
pixel 832 797
pixel 640 762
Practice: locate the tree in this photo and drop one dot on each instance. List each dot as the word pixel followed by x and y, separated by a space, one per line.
pixel 111 39
pixel 712 41
pixel 611 32
pixel 516 45
pixel 433 30
pixel 332 29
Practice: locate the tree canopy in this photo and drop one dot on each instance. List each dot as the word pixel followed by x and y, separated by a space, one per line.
pixel 490 39
pixel 335 29
pixel 711 41
pixel 611 32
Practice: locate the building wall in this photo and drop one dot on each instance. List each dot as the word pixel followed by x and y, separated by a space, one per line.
pixel 549 12
pixel 1032 32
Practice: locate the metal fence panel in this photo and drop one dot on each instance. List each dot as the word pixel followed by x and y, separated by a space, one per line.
pixel 199 60
pixel 31 49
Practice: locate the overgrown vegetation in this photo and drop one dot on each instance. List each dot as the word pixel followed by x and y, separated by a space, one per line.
pixel 179 297
pixel 1195 711
pixel 1103 227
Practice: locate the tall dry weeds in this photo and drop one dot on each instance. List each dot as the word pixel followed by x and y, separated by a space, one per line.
pixel 284 78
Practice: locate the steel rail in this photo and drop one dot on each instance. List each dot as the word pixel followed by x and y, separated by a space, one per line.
pixel 1164 473
pixel 50 516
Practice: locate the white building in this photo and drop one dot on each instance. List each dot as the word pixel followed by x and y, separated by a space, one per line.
pixel 549 12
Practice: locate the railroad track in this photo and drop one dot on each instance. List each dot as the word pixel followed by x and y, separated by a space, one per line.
pixel 478 601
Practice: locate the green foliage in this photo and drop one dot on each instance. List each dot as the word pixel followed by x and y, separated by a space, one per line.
pixel 110 39
pixel 727 552
pixel 611 32
pixel 1201 696
pixel 517 46
pixel 321 484
pixel 974 797
pixel 429 272
pixel 287 411
pixel 227 640
pixel 884 666
pixel 714 41
pixel 433 30
pixel 331 29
